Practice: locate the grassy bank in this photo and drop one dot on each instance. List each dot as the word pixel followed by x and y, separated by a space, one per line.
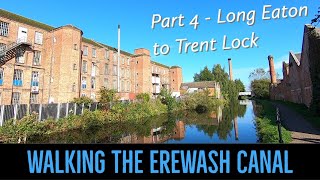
pixel 304 111
pixel 14 131
pixel 266 123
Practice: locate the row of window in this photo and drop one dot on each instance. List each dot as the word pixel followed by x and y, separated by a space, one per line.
pixel 106 56
pixel 4 31
pixel 16 98
pixel 20 56
pixel 159 70
pixel 125 86
pixel 18 77
pixel 123 72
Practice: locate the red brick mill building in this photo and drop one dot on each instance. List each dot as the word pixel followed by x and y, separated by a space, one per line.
pixel 301 76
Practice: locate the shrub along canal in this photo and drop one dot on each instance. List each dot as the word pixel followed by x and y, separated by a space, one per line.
pixel 234 124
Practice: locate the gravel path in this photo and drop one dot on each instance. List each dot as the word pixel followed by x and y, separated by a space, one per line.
pixel 302 131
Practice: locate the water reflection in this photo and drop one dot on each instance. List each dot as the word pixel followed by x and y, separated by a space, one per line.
pixel 231 124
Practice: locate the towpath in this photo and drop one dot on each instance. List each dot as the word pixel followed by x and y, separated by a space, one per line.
pixel 302 131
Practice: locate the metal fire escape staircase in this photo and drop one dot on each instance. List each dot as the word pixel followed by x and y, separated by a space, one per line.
pixel 10 51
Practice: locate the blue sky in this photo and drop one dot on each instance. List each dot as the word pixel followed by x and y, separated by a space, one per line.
pixel 99 19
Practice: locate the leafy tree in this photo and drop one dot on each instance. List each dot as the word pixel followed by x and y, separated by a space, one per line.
pixel 107 97
pixel 204 75
pixel 260 88
pixel 259 73
pixel 239 85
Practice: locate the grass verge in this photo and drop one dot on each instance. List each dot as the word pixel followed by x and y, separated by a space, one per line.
pixel 266 123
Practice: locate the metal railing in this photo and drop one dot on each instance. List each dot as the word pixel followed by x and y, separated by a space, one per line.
pixel 43 111
pixel 278 121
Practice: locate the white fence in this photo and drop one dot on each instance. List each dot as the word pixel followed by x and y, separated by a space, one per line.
pixel 44 111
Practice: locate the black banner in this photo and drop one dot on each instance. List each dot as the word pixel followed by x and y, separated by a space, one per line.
pixel 160 161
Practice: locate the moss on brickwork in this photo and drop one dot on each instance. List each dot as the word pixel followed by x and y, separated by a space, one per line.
pixel 314 58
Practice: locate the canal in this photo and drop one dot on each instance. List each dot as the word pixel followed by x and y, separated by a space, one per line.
pixel 232 124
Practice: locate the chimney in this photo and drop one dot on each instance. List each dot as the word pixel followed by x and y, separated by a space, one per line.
pixel 272 71
pixel 230 69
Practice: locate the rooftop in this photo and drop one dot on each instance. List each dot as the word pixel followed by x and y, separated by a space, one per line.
pixel 21 19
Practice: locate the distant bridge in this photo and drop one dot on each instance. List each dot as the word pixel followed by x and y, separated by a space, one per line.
pixel 247 94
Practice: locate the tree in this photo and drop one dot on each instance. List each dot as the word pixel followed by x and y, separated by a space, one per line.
pixel 204 75
pixel 107 97
pixel 239 85
pixel 259 73
pixel 144 97
pixel 260 88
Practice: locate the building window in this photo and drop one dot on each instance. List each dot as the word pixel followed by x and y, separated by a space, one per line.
pixel 94 69
pixel 75 47
pixel 35 79
pixel 94 52
pixel 2 48
pixel 106 71
pixel 84 83
pixel 74 87
pixel 115 85
pixel 128 73
pixel 4 28
pixel 84 67
pixel 93 82
pixel 38 38
pixel 85 50
pixel 1 76
pixel 17 77
pixel 128 86
pixel 122 86
pixel 115 57
pixel 15 98
pixel 19 56
pixel 34 98
pixel 36 58
pixel 115 70
pixel 122 60
pixel 128 61
pixel 122 72
pixel 83 95
pixel 105 82
pixel 106 54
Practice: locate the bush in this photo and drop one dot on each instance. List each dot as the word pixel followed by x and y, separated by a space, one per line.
pixel 145 97
pixel 107 97
pixel 83 100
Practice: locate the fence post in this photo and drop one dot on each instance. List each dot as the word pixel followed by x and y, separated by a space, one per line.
pixel 89 107
pixel 40 112
pixel 82 107
pixel 75 108
pixel 279 126
pixel 2 115
pixel 58 111
pixel 28 109
pixel 15 111
pixel 96 106
pixel 67 109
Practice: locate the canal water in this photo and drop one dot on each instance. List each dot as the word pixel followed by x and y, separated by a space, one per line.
pixel 232 124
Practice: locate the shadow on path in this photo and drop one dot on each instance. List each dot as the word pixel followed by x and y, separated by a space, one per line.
pixel 302 130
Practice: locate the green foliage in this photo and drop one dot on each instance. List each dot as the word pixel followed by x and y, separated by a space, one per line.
pixel 239 85
pixel 204 75
pixel 145 97
pixel 167 99
pixel 200 101
pixel 107 97
pixel 230 89
pixel 266 124
pixel 83 100
pixel 260 88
